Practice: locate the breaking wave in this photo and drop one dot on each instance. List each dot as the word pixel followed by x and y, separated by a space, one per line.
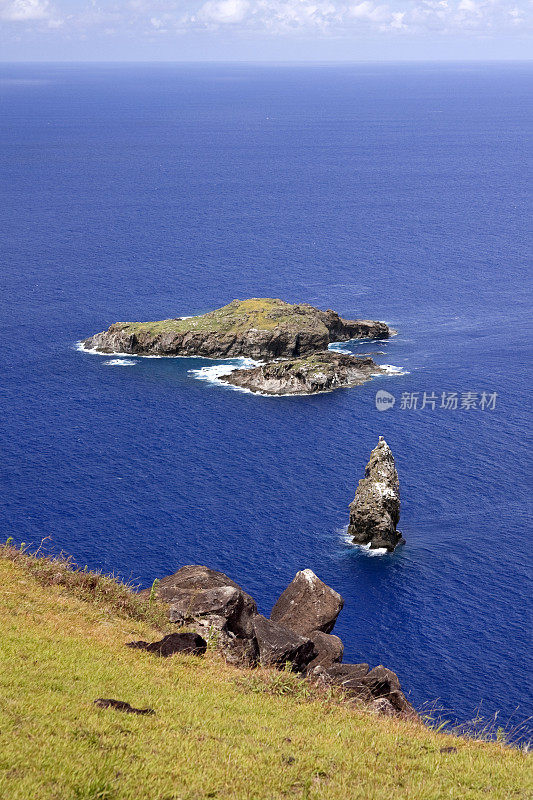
pixel 363 548
pixel 213 373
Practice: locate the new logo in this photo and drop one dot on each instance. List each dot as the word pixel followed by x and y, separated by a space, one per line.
pixel 384 400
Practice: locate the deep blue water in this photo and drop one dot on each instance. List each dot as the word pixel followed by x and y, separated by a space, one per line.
pixel 393 192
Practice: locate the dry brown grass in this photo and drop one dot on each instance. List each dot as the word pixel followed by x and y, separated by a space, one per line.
pixel 105 591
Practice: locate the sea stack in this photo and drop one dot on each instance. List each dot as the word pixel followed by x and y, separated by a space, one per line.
pixel 375 509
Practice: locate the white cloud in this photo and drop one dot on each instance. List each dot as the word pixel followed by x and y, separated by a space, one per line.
pixel 346 17
pixel 339 18
pixel 470 6
pixel 223 11
pixel 25 10
pixel 398 20
pixel 293 15
pixel 368 11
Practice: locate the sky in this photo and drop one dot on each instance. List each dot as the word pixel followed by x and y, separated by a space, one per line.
pixel 265 30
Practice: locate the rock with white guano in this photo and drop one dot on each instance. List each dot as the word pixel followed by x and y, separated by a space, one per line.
pixel 375 509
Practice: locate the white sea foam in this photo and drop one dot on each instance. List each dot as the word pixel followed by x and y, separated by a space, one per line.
pixel 363 548
pixel 390 370
pixel 213 373
pixel 377 551
pixel 94 352
pixel 339 347
pixel 120 362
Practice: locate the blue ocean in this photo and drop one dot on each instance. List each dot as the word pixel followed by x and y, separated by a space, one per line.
pixel 394 192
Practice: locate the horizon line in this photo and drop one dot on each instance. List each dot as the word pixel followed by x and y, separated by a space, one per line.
pixel 473 60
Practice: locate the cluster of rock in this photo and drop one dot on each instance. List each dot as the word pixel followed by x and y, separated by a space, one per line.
pixel 298 632
pixel 375 509
pixel 321 372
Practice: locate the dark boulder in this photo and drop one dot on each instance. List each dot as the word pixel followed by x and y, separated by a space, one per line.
pixel 237 651
pixel 349 677
pixel 198 594
pixel 184 642
pixel 329 648
pixel 401 704
pixel 383 682
pixel 339 673
pixel 221 607
pixel 194 576
pixel 278 645
pixel 307 605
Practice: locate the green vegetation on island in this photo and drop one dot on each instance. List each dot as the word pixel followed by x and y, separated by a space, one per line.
pixel 256 328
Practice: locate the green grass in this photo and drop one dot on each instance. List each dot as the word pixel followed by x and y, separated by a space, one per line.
pixel 263 313
pixel 218 732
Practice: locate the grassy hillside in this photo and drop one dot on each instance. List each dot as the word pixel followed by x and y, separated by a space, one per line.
pixel 218 732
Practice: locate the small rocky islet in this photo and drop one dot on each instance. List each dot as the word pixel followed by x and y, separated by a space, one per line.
pixel 292 340
pixel 320 372
pixel 375 509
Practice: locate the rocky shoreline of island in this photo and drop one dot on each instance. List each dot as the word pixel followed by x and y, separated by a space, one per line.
pixel 320 372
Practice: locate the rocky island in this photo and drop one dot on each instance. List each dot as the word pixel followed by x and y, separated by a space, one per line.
pixel 320 372
pixel 375 509
pixel 262 328
pixel 292 339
